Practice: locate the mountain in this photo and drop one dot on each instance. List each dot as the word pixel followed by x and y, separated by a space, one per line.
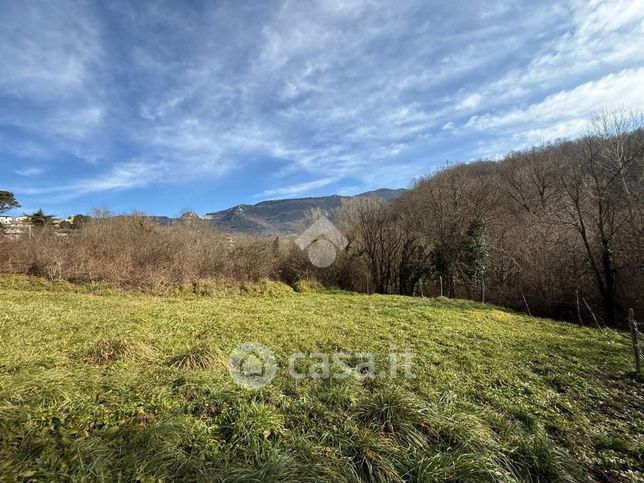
pixel 282 217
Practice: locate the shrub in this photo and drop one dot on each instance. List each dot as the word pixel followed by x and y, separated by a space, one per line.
pixel 308 286
pixel 134 252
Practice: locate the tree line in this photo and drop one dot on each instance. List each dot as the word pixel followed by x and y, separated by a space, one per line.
pixel 556 230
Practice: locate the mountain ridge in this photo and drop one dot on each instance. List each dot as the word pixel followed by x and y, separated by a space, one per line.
pixel 284 216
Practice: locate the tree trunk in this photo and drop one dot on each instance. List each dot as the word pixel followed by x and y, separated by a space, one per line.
pixel 610 286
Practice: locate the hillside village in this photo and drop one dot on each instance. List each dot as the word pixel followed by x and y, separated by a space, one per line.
pixel 17 225
pixel 14 226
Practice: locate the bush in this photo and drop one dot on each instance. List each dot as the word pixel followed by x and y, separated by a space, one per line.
pixel 134 252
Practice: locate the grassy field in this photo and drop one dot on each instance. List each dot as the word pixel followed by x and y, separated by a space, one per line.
pixel 102 385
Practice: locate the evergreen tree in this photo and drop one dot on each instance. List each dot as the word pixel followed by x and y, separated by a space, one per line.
pixel 475 252
pixel 40 219
pixel 7 201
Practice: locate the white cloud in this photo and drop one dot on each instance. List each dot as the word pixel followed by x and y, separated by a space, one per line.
pixel 566 113
pixel 46 49
pixel 298 189
pixel 449 126
pixel 30 171
pixel 470 102
pixel 51 58
pixel 601 36
pixel 119 177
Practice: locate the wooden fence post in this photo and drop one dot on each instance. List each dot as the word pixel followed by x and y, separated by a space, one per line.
pixel 526 304
pixel 591 313
pixel 578 308
pixel 635 341
pixel 440 277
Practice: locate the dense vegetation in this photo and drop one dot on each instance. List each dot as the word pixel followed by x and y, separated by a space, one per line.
pixel 98 384
pixel 557 230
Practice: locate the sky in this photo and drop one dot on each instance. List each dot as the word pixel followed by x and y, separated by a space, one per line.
pixel 161 106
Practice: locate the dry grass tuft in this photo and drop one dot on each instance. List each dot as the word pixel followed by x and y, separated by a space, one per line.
pixel 199 356
pixel 116 349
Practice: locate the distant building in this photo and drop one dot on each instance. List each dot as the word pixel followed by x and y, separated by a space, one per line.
pixel 6 220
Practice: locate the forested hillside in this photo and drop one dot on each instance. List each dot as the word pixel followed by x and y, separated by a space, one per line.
pixel 555 230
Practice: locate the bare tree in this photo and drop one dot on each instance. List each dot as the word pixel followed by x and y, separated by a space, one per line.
pixel 600 188
pixel 443 208
pixel 373 230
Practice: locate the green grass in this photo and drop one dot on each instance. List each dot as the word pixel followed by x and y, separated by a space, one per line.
pixel 98 384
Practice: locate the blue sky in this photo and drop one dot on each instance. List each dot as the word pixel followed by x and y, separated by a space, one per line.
pixel 161 106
